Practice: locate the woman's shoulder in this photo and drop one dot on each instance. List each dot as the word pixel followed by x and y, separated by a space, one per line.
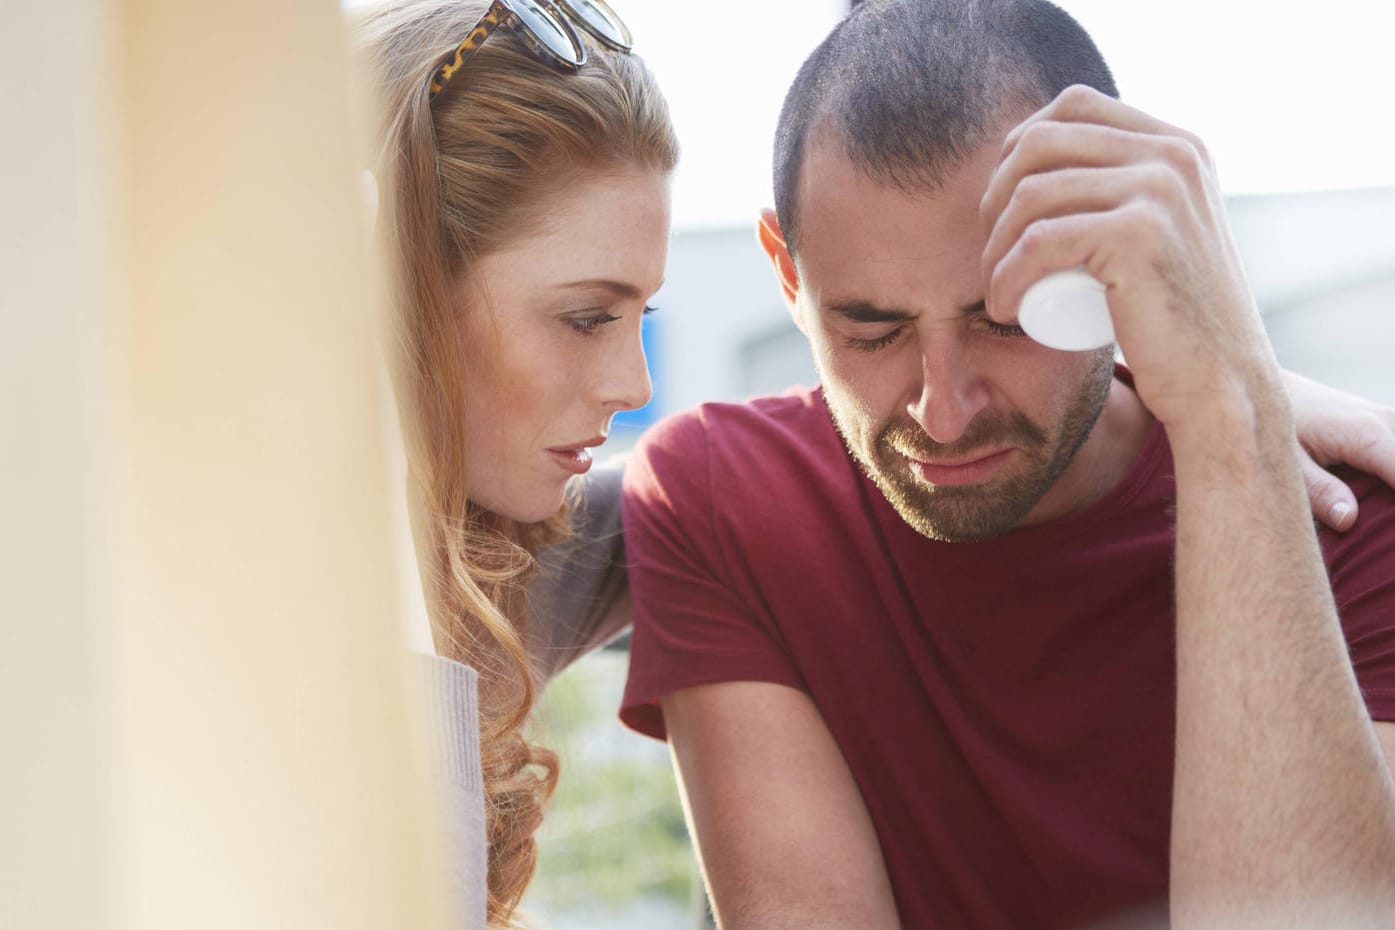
pixel 578 600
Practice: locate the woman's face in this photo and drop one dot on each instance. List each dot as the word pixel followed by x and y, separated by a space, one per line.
pixel 552 339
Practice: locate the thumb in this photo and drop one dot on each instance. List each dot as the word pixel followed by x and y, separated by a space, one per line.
pixel 1331 500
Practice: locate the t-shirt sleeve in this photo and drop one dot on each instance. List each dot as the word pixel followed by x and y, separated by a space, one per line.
pixel 696 619
pixel 1361 567
pixel 579 599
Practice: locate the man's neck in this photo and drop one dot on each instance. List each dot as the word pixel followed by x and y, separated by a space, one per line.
pixel 1103 459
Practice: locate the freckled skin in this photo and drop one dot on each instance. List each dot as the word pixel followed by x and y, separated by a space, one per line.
pixel 547 367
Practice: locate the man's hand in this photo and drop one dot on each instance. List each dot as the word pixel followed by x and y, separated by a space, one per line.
pixel 1283 803
pixel 1089 181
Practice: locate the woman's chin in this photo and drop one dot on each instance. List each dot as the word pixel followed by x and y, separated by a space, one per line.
pixel 532 509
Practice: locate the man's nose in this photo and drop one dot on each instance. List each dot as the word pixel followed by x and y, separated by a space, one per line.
pixel 951 391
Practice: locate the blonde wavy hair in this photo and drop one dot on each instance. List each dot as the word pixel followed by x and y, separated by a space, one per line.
pixel 463 176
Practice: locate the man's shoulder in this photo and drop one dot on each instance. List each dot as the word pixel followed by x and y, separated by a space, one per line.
pixel 749 425
pixel 741 453
pixel 1366 486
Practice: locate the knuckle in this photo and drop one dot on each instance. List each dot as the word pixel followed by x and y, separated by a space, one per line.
pixel 1038 135
pixel 1200 152
pixel 1163 183
pixel 1034 238
pixel 1177 152
pixel 1369 431
pixel 1029 193
pixel 1076 97
pixel 1188 158
pixel 1139 222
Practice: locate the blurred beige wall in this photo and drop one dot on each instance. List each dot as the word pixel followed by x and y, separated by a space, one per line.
pixel 203 704
pixel 54 800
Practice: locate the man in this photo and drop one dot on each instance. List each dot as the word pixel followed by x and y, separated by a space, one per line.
pixel 982 634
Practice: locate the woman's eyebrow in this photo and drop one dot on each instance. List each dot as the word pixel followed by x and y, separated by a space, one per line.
pixel 622 290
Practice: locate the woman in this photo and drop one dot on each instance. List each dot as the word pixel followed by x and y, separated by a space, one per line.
pixel 526 203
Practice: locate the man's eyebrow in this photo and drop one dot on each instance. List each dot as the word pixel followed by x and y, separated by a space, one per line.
pixel 864 312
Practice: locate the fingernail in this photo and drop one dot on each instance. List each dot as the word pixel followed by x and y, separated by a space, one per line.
pixel 1339 512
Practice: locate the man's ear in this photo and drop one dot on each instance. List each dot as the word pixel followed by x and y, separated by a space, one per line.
pixel 772 241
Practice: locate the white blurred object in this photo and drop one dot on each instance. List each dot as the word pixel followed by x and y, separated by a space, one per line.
pixel 1067 310
pixel 369 184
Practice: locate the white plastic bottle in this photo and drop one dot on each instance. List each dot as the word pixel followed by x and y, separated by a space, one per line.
pixel 1067 310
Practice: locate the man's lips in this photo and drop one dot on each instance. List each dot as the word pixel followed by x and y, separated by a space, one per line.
pixel 971 469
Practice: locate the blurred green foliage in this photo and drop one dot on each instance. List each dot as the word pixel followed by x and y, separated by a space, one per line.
pixel 614 836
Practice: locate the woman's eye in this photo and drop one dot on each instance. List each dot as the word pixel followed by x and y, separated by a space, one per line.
pixel 590 324
pixel 873 345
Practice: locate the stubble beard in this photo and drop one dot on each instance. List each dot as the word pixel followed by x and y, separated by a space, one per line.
pixel 969 513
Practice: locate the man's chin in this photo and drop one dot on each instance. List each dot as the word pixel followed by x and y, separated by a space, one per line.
pixel 964 513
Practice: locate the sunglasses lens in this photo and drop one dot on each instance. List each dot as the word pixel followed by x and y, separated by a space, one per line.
pixel 601 21
pixel 547 30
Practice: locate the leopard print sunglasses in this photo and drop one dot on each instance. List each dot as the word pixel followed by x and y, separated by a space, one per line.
pixel 547 29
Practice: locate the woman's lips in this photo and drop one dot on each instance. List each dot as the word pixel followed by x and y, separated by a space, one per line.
pixel 972 471
pixel 577 461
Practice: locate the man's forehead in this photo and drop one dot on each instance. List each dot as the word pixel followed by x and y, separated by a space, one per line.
pixel 868 234
pixel 829 170
pixel 827 163
pixel 835 190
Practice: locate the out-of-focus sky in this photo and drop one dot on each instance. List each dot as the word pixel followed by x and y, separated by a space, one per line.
pixel 1287 98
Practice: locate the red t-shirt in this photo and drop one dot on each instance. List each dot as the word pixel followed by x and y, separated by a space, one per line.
pixel 1006 707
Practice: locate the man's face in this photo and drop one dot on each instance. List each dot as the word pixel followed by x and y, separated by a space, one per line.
pixel 968 428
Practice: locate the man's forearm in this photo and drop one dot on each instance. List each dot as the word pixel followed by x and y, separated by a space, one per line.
pixel 1283 805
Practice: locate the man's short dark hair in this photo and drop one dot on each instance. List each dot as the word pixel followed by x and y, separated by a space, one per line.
pixel 913 87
